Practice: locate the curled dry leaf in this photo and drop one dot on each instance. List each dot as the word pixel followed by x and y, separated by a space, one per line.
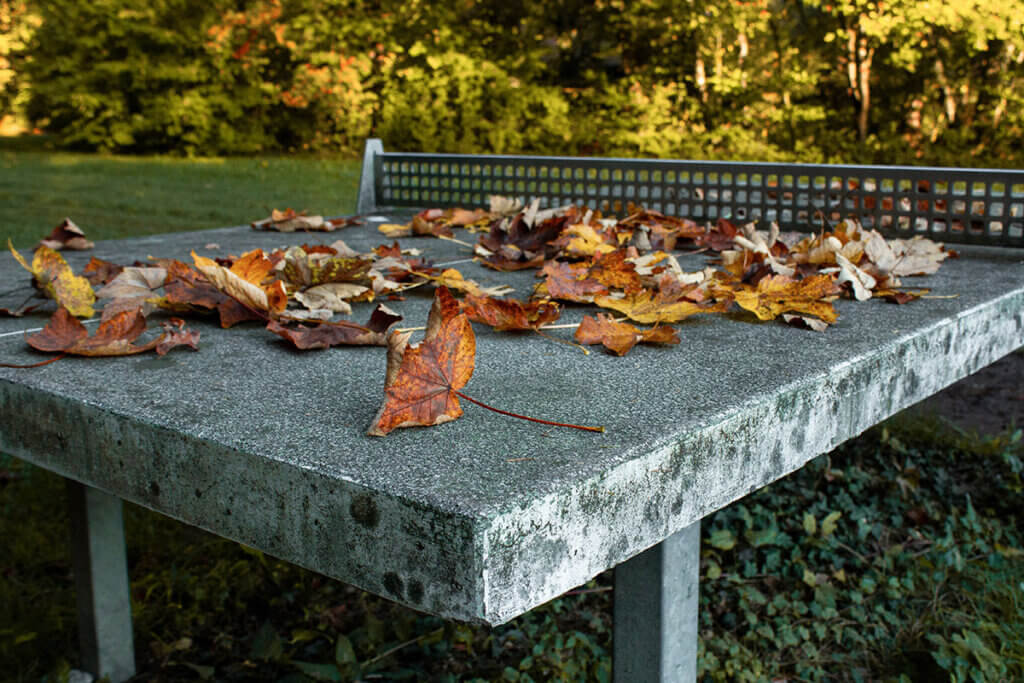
pixel 584 240
pixel 291 221
pixel 515 244
pixel 861 282
pixel 422 381
pixel 620 337
pixel 244 281
pixel 510 314
pixel 308 267
pixel 187 289
pixel 133 288
pixel 114 337
pixel 805 321
pixel 719 238
pixel 100 272
pixel 54 278
pixel 341 333
pixel 333 296
pixel 66 235
pixel 395 230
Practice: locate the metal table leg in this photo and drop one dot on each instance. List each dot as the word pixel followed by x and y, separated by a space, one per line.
pixel 101 582
pixel 655 633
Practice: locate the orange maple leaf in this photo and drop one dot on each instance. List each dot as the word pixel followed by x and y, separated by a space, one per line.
pixel 510 314
pixel 114 337
pixel 422 381
pixel 618 337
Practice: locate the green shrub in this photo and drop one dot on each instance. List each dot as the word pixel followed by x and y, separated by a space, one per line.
pixel 454 103
pixel 17 24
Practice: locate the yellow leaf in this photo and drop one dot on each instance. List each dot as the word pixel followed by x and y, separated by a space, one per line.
pixel 395 230
pixel 778 294
pixel 54 277
pixel 584 241
pixel 644 307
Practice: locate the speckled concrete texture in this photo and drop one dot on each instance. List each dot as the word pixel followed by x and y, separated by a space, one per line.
pixel 486 517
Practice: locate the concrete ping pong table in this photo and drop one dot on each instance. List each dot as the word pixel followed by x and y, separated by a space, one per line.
pixel 485 518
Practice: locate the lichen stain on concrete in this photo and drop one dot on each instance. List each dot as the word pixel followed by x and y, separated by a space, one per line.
pixel 415 592
pixel 393 585
pixel 364 510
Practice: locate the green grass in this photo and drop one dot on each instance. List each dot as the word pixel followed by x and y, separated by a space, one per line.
pixel 115 196
pixel 900 556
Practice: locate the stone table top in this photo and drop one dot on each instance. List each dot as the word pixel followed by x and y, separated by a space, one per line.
pixel 486 517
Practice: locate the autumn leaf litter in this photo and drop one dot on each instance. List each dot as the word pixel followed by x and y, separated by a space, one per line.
pixel 624 266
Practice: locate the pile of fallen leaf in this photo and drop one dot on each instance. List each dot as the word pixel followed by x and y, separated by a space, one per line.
pixel 623 266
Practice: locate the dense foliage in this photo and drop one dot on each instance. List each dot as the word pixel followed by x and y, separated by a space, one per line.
pixel 851 80
pixel 897 557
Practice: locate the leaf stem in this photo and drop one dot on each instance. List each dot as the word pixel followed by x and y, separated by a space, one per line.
pixel 457 241
pixel 526 417
pixel 34 365
pixel 573 326
pixel 582 348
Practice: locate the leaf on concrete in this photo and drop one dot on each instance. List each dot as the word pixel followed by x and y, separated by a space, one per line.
pixel 778 294
pixel 861 282
pixel 114 337
pixel 516 243
pixel 395 230
pixel 187 289
pixel 805 321
pixel 615 271
pixel 720 237
pixel 54 278
pixel 510 314
pixel 898 296
pixel 584 240
pixel 66 235
pixel 422 381
pixel 619 337
pixel 453 280
pixel 569 282
pixel 246 281
pixel 308 267
pixel 100 272
pixel 646 307
pixel 333 296
pixel 341 333
pixel 176 334
pixel 133 288
pixel 917 256
pixel 291 221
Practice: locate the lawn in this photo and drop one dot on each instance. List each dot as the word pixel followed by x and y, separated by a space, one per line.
pixel 900 556
pixel 117 196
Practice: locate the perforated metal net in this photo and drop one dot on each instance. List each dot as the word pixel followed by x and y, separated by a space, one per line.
pixel 979 206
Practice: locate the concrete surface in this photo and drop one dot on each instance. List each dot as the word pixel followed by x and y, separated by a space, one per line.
pixel 486 517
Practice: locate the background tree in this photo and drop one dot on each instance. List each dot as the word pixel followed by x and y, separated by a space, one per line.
pixel 812 80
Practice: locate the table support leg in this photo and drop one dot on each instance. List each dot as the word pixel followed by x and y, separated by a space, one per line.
pixel 655 633
pixel 101 582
